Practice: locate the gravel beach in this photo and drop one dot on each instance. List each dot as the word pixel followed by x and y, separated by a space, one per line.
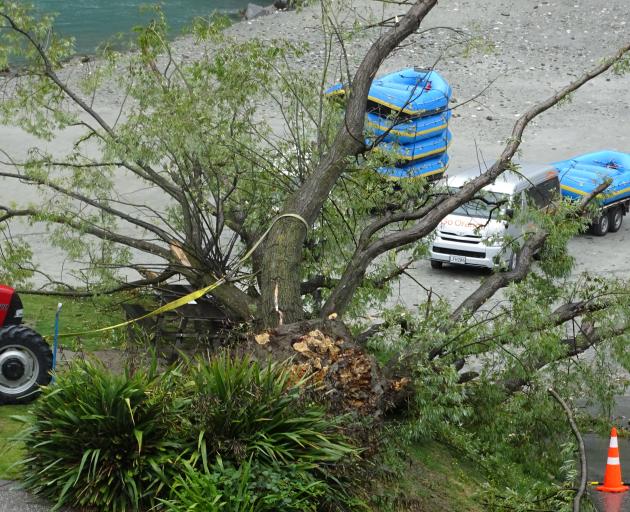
pixel 534 49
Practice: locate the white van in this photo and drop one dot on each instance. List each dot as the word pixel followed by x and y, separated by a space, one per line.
pixel 472 234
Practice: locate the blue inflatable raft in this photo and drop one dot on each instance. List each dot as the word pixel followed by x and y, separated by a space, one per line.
pixel 418 150
pixel 412 91
pixel 431 168
pixel 404 130
pixel 580 175
pixel 409 110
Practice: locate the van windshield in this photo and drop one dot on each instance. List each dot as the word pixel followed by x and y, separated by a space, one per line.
pixel 486 205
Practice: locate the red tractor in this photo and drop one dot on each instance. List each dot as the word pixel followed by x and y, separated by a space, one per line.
pixel 25 358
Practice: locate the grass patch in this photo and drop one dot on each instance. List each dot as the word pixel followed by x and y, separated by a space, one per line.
pixel 10 451
pixel 427 476
pixel 80 315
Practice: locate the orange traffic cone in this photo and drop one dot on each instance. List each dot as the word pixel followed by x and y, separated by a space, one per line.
pixel 612 477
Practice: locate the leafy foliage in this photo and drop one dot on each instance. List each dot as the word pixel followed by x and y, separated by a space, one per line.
pixel 252 487
pixel 242 410
pixel 501 417
pixel 102 440
pixel 116 442
pixel 15 256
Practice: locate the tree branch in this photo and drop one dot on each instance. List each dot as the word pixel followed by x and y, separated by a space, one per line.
pixel 93 202
pixel 524 260
pixel 82 227
pixel 442 206
pixel 589 337
pixel 576 432
pixel 134 285
pixel 283 249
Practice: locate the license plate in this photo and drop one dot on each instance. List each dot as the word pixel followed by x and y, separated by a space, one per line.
pixel 458 259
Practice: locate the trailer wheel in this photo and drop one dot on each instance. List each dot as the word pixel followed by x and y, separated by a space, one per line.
pixel 615 218
pixel 25 364
pixel 600 225
pixel 436 264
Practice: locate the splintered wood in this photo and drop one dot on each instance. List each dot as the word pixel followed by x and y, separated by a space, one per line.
pixel 346 373
pixel 323 352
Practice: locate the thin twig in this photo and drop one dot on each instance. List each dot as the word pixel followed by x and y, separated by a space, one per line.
pixel 578 497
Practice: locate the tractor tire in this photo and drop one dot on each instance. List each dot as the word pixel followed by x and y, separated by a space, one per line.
pixel 615 218
pixel 25 364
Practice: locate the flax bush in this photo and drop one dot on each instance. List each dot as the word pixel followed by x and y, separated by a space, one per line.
pixel 104 441
pixel 228 433
pixel 243 410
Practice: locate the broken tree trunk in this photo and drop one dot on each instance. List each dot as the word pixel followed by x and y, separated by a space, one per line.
pixel 324 351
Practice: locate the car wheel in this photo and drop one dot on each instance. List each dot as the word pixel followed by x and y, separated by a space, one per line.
pixel 436 264
pixel 615 218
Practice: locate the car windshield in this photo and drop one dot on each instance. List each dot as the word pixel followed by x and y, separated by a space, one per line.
pixel 486 205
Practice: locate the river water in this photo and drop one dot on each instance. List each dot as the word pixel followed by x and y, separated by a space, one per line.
pixel 91 22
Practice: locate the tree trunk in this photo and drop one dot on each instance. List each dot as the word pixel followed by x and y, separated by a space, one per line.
pixel 281 301
pixel 282 257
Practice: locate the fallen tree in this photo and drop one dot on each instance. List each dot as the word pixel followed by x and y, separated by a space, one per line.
pixel 206 173
pixel 193 133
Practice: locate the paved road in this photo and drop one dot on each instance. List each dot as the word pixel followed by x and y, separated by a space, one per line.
pixel 14 500
pixel 596 454
pixel 611 502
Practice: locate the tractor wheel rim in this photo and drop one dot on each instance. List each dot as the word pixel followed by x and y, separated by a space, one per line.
pixel 19 382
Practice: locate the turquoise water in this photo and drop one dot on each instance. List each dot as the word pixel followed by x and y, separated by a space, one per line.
pixel 94 21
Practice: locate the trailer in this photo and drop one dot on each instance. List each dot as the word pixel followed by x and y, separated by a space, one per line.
pixel 580 175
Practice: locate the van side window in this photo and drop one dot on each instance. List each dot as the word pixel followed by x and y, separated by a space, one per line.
pixel 543 193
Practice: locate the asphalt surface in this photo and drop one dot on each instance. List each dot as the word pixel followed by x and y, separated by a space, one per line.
pixel 12 499
pixel 596 455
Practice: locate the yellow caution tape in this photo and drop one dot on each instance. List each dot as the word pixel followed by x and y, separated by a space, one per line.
pixel 182 301
pixel 177 303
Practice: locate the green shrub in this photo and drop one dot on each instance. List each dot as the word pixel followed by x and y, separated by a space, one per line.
pixel 117 443
pixel 103 441
pixel 242 410
pixel 251 487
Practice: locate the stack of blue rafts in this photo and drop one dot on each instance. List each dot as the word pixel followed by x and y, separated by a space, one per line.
pixel 407 113
pixel 580 175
